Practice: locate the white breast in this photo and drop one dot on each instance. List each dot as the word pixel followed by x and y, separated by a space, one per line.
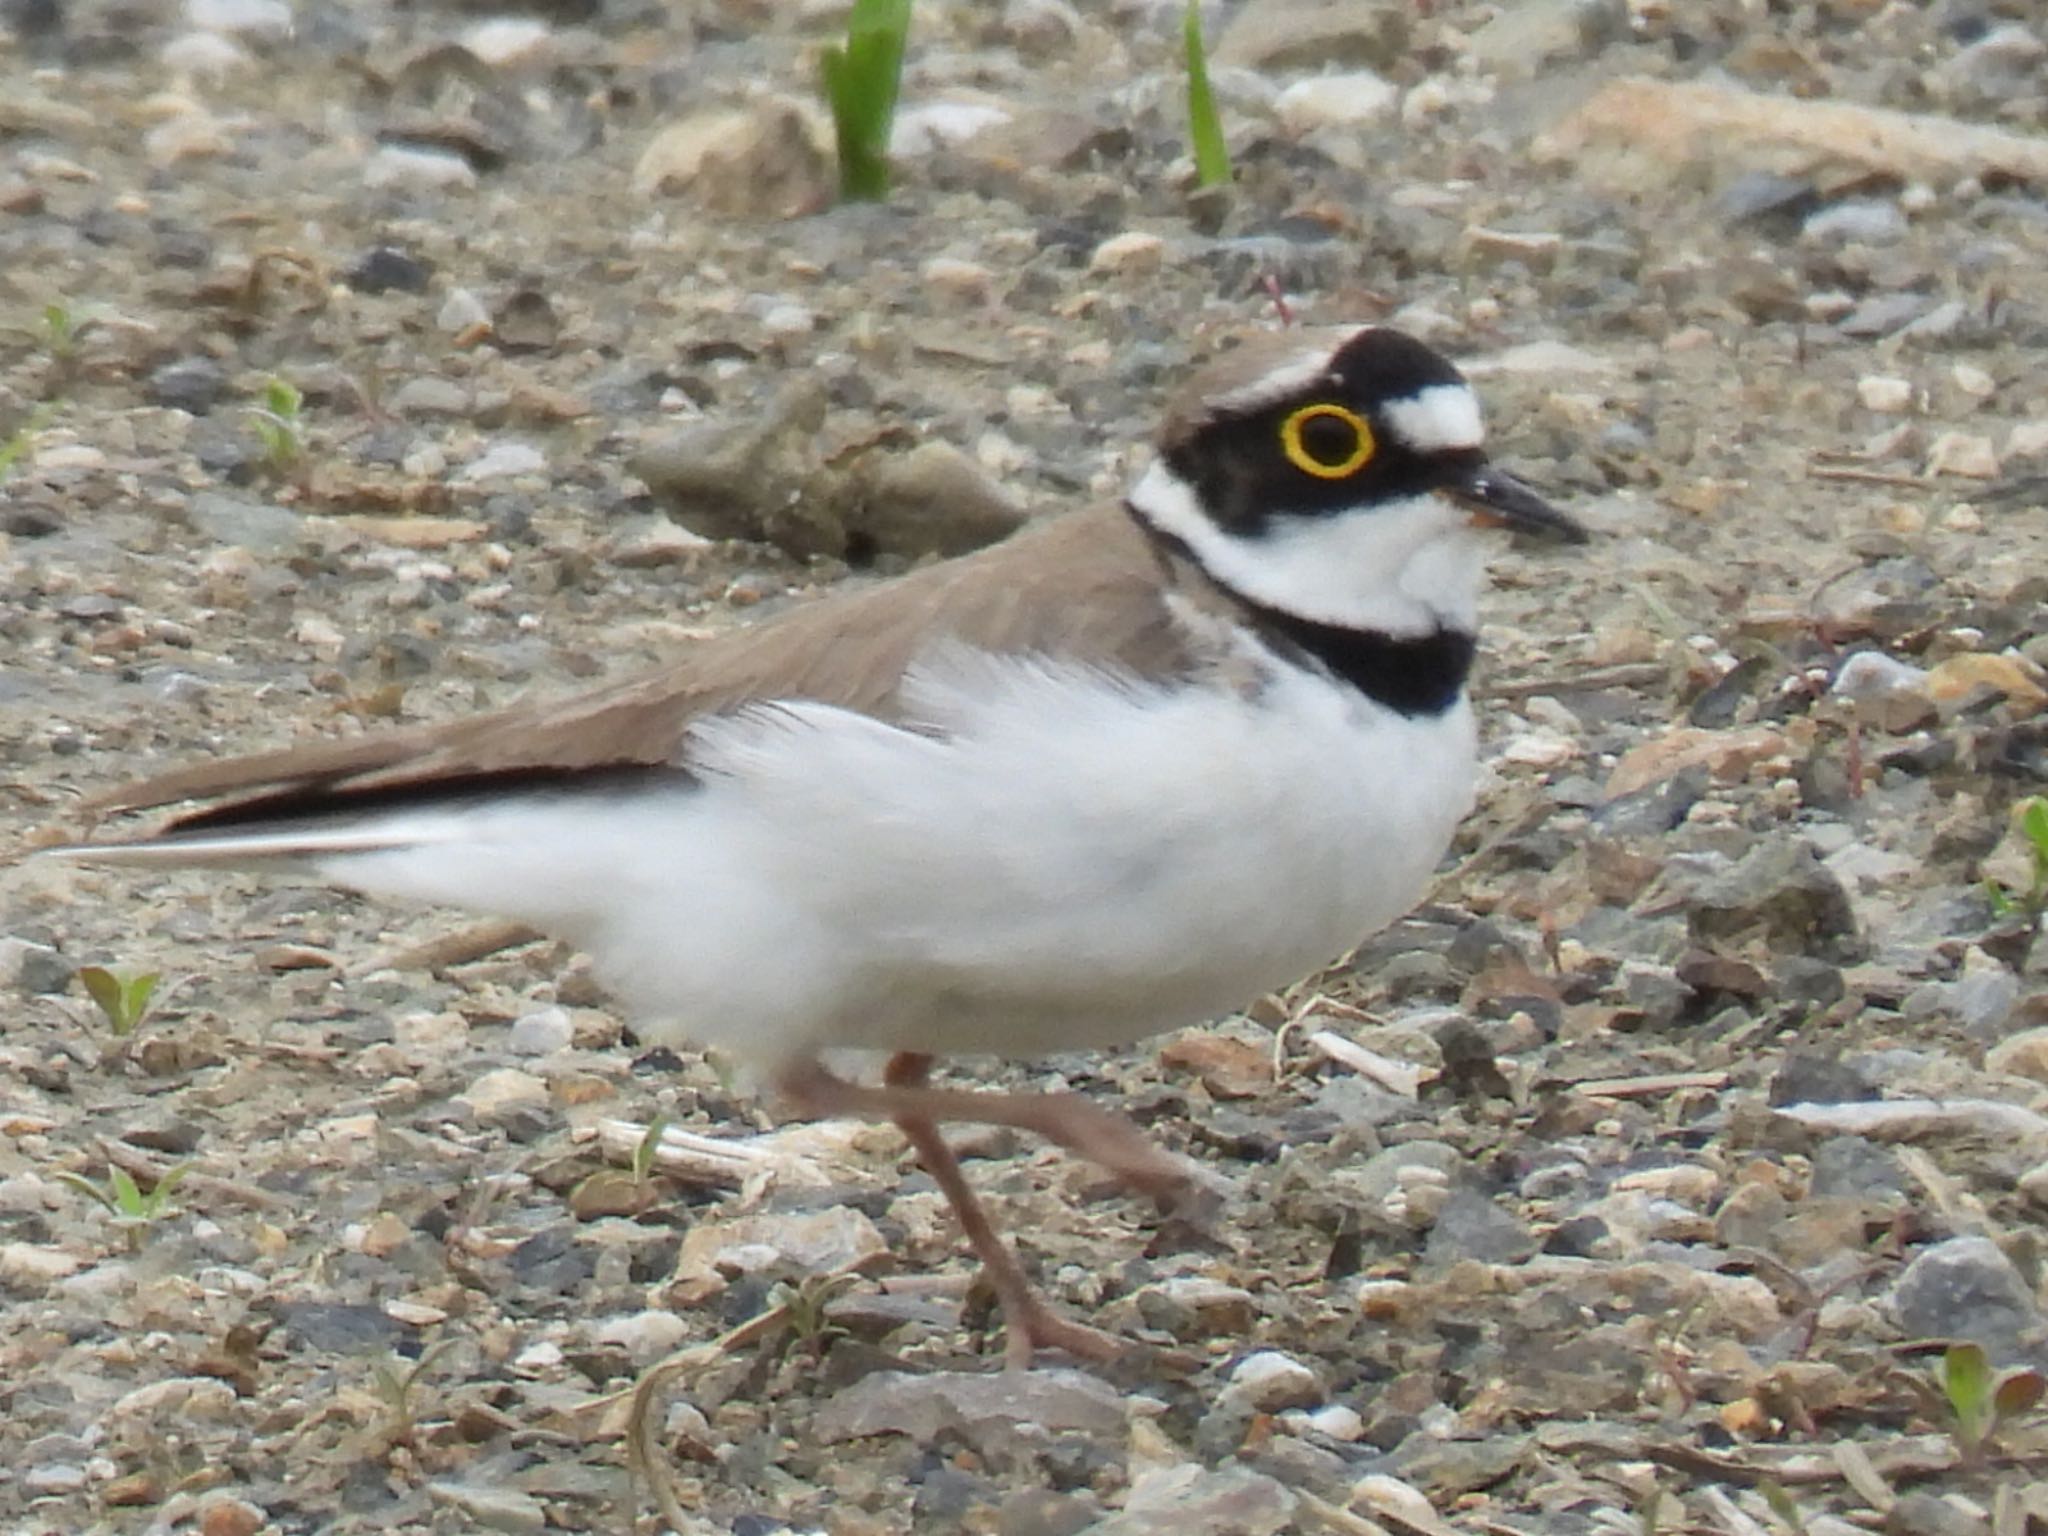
pixel 1064 860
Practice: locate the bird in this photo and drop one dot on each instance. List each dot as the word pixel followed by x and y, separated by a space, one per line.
pixel 1128 770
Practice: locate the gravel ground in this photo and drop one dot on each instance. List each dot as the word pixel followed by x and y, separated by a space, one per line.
pixel 1638 1182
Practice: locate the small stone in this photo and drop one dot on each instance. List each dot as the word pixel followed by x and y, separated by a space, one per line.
pixel 834 1238
pixel 504 42
pixel 503 461
pixel 1967 454
pixel 1271 1381
pixel 2028 440
pixel 460 311
pixel 933 500
pixel 923 1406
pixel 208 57
pixel 1134 251
pixel 504 1092
pixel 645 1336
pixel 429 396
pixel 968 280
pixel 1966 1288
pixel 417 170
pixel 1521 39
pixel 1864 221
pixel 1535 249
pixel 1338 1422
pixel 541 1033
pixel 931 126
pixel 2022 1055
pixel 1920 1513
pixel 1195 1307
pixel 1315 34
pixel 1191 1500
pixel 267 21
pixel 56 1478
pixel 1885 393
pixel 1336 101
pixel 387 269
pixel 1470 1226
pixel 191 384
pixel 499 1509
pixel 1955 679
pixel 33 1266
pixel 770 159
pixel 1973 381
pixel 35 969
pixel 225 1515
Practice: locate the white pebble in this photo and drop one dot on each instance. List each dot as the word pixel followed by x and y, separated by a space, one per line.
pixel 460 311
pixel 1883 392
pixel 269 20
pixel 936 125
pixel 1968 454
pixel 1973 381
pixel 420 169
pixel 1272 1381
pixel 1132 251
pixel 502 460
pixel 1326 101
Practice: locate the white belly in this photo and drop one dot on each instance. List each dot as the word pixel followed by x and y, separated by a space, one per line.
pixel 1066 861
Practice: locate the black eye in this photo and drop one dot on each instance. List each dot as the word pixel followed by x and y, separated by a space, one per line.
pixel 1328 441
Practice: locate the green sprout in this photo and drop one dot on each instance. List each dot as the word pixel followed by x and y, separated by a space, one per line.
pixel 861 81
pixel 611 1191
pixel 62 329
pixel 277 425
pixel 1205 127
pixel 395 1386
pixel 2031 817
pixel 1981 1400
pixel 23 437
pixel 122 997
pixel 123 1199
pixel 804 1305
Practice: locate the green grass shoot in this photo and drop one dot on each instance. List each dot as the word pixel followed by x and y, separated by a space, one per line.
pixel 861 81
pixel 1205 128
pixel 122 997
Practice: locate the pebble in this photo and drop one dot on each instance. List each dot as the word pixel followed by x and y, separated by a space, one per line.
pixel 2028 440
pixel 417 170
pixel 922 1406
pixel 1966 1288
pixel 645 1336
pixel 1272 1380
pixel 498 1509
pixel 541 1033
pixel 1336 101
pixel 461 310
pixel 1274 35
pixel 961 279
pixel 32 1266
pixel 503 1092
pixel 931 126
pixel 1973 381
pixel 1191 1500
pixel 53 1478
pixel 429 396
pixel 769 159
pixel 210 57
pixel 1134 251
pixel 505 41
pixel 1866 221
pixel 1196 1307
pixel 1968 454
pixel 1885 393
pixel 501 461
pixel 267 21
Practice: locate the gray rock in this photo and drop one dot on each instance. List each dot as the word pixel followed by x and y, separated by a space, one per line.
pixel 193 384
pixel 35 969
pixel 1042 1512
pixel 1929 1514
pixel 1271 1380
pixel 1883 313
pixel 1470 1226
pixel 541 1033
pixel 2005 62
pixel 53 1478
pixel 1863 221
pixel 498 1509
pixel 1783 891
pixel 897 1403
pixel 1190 1500
pixel 1966 1288
pixel 1855 1167
pixel 1523 38
pixel 429 396
pixel 257 526
pixel 1315 34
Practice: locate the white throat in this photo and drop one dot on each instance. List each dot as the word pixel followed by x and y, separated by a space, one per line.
pixel 1403 568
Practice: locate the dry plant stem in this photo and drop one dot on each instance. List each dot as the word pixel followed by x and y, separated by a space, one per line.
pixel 917 1111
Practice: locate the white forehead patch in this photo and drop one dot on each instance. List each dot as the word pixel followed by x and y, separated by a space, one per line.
pixel 1442 416
pixel 1276 384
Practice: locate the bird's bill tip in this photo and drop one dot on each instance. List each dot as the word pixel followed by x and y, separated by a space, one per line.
pixel 1493 498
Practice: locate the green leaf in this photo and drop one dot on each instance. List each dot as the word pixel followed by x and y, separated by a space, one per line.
pixel 1205 127
pixel 81 1183
pixel 862 80
pixel 137 992
pixel 104 988
pixel 646 1149
pixel 2034 824
pixel 128 1197
pixel 1781 1504
pixel 1966 1382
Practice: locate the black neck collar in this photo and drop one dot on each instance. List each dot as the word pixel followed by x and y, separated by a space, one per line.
pixel 1416 675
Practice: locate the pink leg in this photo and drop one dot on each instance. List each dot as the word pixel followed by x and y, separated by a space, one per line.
pixel 1030 1324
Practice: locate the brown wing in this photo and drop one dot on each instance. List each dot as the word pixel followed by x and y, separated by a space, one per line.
pixel 1086 584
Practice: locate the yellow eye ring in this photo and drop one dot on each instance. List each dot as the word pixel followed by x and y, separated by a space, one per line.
pixel 1297 451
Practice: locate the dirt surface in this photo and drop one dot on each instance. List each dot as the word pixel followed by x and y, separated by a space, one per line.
pixel 1638 1182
